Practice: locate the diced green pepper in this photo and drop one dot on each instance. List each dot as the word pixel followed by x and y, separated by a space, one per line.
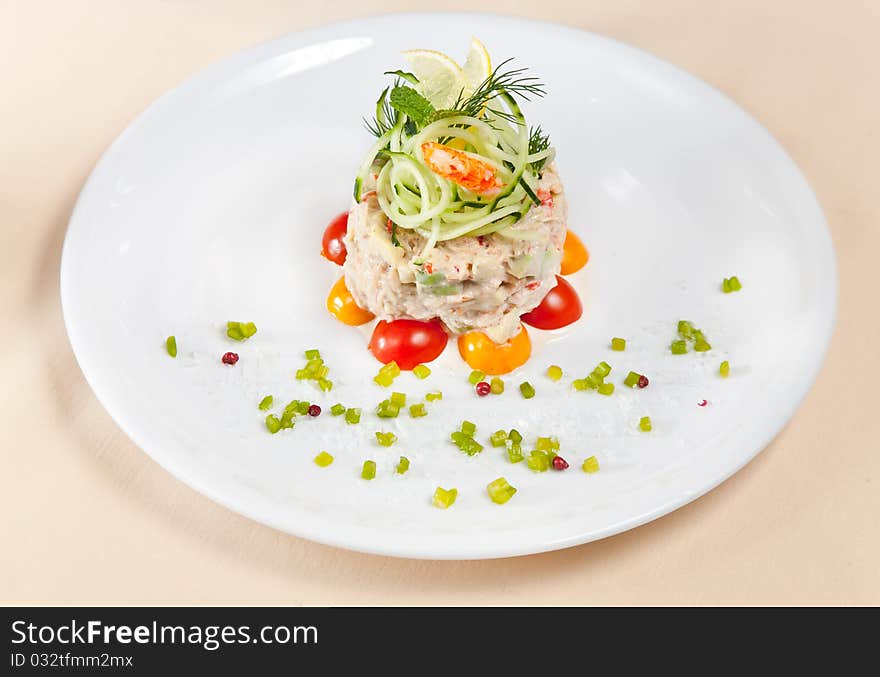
pixel 387 409
pixel 312 354
pixel 386 439
pixel 606 389
pixel 387 374
pixel 631 380
pixel 514 452
pixel 421 371
pixel 433 397
pixel 527 390
pixel 323 459
pixel 352 416
pixel 580 384
pixel 383 380
pixel 368 472
pixel 402 465
pixel 468 428
pixel 266 402
pixel 593 381
pixel 730 284
pixel 602 369
pixel 618 344
pixel 398 399
pixel 417 410
pixel 591 465
pixel 538 461
pixel 459 438
pixel 239 331
pixel 171 346
pixel 515 436
pixel 645 424
pixel 471 447
pixel 273 424
pixel 724 369
pixel 546 444
pixel 500 491
pixel 475 377
pixel 443 498
pixel 685 329
pixel 498 438
pixel 678 347
pixel 496 385
pixel 337 409
pixel 287 417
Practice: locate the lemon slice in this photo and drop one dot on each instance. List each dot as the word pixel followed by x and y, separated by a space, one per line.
pixel 441 79
pixel 478 66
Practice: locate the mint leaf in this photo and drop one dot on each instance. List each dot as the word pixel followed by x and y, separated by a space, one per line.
pixel 408 101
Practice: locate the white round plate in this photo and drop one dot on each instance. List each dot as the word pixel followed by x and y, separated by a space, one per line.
pixel 211 205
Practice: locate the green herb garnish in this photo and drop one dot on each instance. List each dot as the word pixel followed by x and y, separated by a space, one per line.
pixel 408 101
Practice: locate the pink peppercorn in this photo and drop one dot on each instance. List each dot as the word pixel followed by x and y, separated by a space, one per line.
pixel 314 410
pixel 230 358
pixel 483 389
pixel 559 463
pixel 643 381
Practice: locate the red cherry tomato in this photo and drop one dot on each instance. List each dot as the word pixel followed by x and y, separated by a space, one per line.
pixel 408 342
pixel 559 308
pixel 332 246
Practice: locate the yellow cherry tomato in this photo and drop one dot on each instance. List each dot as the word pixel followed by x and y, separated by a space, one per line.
pixel 342 306
pixel 483 354
pixel 574 254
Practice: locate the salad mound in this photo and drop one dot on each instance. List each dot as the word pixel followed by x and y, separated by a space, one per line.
pixel 458 211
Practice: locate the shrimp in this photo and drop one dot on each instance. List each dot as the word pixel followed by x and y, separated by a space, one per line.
pixel 461 168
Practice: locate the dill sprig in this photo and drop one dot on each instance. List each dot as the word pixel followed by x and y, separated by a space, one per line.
pixel 538 141
pixel 512 82
pixel 385 117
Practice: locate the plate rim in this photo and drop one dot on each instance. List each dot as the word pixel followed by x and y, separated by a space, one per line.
pixel 474 550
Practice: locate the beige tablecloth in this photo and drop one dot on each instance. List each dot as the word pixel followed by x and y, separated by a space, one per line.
pixel 88 518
